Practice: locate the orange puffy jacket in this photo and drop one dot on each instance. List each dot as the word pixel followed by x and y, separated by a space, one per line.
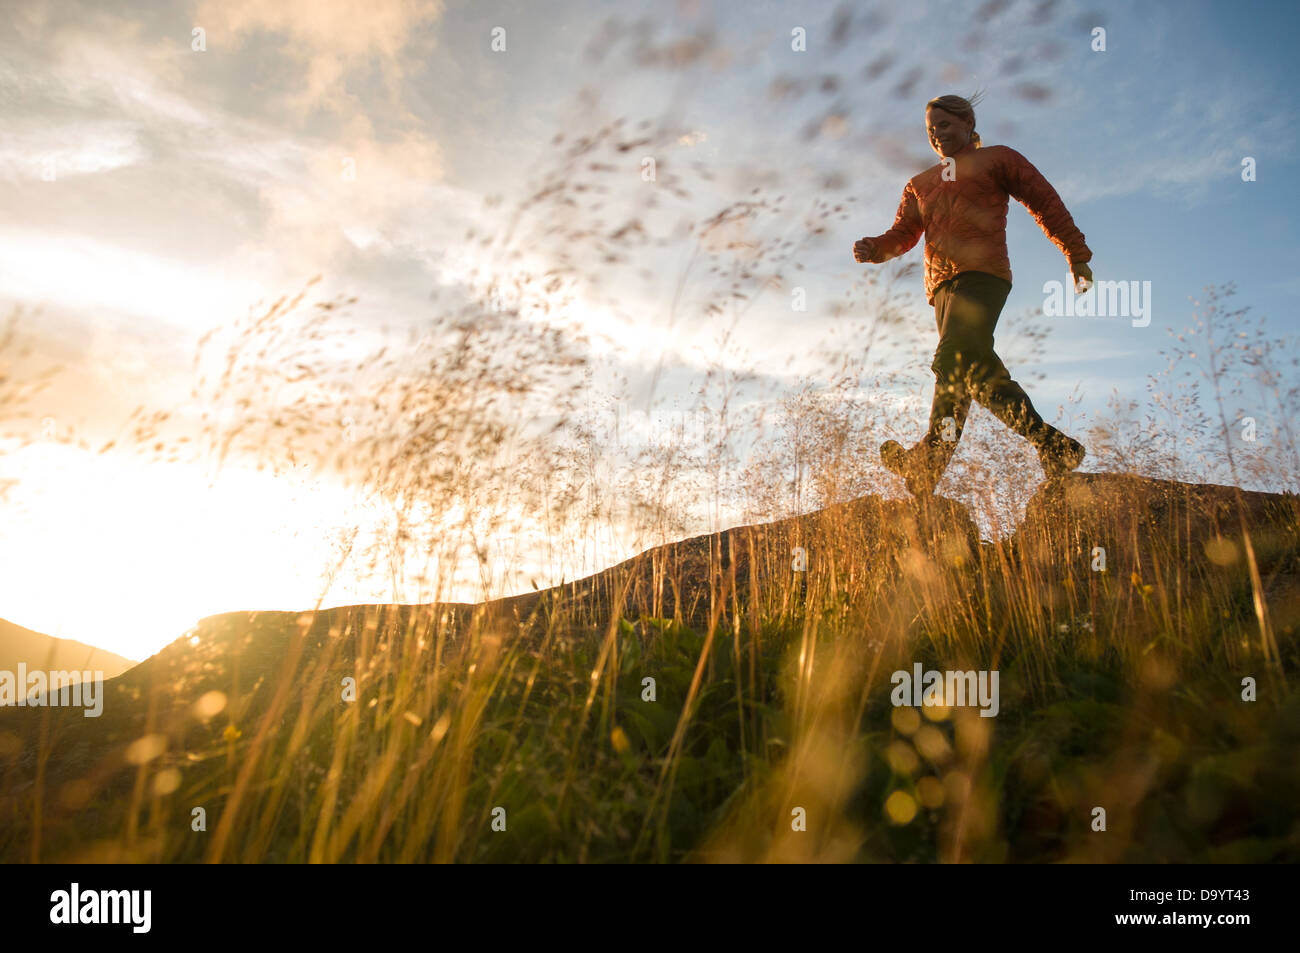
pixel 964 216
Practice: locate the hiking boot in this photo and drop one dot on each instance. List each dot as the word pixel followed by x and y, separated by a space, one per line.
pixel 916 466
pixel 1060 454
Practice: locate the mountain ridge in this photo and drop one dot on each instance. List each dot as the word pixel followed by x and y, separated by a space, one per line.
pixel 36 650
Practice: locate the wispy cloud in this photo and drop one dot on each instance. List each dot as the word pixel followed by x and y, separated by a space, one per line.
pixel 329 41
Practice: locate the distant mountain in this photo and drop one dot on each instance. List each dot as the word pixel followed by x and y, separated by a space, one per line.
pixel 46 653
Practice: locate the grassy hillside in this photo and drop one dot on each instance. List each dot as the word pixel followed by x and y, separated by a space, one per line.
pixel 45 652
pixel 1121 687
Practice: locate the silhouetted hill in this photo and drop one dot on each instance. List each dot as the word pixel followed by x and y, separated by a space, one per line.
pixel 47 653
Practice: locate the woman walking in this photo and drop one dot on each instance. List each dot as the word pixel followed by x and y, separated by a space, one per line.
pixel 961 207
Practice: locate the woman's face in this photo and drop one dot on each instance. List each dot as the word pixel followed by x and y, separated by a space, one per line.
pixel 948 134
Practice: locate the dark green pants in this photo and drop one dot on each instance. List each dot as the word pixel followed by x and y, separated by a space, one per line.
pixel 966 309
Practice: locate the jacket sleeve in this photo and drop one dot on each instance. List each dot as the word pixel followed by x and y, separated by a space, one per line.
pixel 905 233
pixel 1027 185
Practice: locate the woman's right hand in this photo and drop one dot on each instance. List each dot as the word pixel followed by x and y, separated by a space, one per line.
pixel 863 250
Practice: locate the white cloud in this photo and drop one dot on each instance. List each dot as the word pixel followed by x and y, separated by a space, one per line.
pixel 41 151
pixel 328 39
pixel 85 275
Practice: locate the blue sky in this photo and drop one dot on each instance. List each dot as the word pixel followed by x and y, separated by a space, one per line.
pixel 150 192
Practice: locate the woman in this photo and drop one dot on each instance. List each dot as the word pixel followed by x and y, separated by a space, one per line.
pixel 961 206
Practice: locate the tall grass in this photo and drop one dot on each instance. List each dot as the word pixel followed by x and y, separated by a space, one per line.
pixel 712 697
pixel 1120 689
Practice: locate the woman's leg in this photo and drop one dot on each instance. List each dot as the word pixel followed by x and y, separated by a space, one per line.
pixel 966 310
pixel 966 368
pixel 960 316
pixel 1058 453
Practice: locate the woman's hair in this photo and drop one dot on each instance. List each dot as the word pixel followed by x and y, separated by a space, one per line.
pixel 960 107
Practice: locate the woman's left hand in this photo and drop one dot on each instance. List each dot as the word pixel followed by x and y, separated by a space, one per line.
pixel 1081 272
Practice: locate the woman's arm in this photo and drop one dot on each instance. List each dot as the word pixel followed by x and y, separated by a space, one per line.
pixel 906 232
pixel 1027 186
